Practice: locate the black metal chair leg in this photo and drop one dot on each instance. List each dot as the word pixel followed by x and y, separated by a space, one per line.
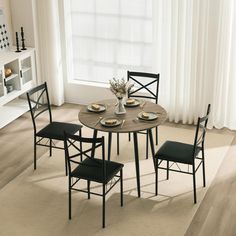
pixel 203 168
pixel 121 187
pixel 129 137
pixel 194 186
pixel 88 185
pixel 95 132
pixel 66 168
pixel 156 135
pixel 147 145
pixel 80 146
pixel 35 153
pixel 109 146
pixel 118 144
pixel 69 199
pixel 103 205
pixel 167 169
pixel 156 174
pixel 50 148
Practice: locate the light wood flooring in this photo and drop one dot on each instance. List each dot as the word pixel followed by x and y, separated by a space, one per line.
pixel 215 216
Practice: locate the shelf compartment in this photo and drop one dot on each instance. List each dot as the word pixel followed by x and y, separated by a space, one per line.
pixel 12 83
pixel 13 66
pixel 25 69
pixel 12 76
pixel 26 76
pixel 26 63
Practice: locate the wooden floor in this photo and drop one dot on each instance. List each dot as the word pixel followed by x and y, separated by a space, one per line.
pixel 215 216
pixel 16 142
pixel 217 213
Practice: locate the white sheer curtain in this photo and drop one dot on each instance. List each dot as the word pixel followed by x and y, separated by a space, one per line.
pixel 49 47
pixel 224 96
pixel 195 54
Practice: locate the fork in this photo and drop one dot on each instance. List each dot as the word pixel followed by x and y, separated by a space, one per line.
pixel 100 118
pixel 142 105
pixel 122 124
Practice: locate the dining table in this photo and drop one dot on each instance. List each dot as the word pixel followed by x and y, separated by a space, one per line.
pixel 130 122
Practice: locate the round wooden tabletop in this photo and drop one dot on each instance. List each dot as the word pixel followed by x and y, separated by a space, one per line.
pixel 131 122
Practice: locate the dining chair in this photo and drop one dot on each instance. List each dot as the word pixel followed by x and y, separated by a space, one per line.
pixel 146 86
pixel 90 168
pixel 46 131
pixel 174 153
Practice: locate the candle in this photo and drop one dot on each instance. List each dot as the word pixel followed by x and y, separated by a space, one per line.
pixel 17 43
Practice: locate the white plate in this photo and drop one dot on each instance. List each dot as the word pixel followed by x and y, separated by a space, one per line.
pixel 134 104
pixel 151 116
pixel 103 122
pixel 102 107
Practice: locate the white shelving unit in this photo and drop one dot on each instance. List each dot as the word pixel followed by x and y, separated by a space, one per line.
pixel 12 88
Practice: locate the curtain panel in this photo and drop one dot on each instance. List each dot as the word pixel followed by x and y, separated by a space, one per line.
pixel 49 48
pixel 195 55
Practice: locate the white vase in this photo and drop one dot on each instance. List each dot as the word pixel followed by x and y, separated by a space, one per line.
pixel 120 108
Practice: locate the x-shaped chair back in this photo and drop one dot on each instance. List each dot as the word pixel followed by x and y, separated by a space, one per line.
pixel 38 100
pixel 75 155
pixel 146 85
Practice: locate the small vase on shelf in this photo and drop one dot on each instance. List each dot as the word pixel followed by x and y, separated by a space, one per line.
pixel 120 108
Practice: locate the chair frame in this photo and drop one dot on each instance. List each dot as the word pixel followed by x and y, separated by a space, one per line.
pixel 40 141
pixel 96 143
pixel 198 142
pixel 132 76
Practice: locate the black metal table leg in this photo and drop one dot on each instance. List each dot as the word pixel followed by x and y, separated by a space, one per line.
pixel 95 132
pixel 136 155
pixel 152 146
pixel 109 146
pixel 118 144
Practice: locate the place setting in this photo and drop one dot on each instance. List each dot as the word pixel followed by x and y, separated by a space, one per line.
pixel 131 102
pixel 146 116
pixel 110 122
pixel 96 107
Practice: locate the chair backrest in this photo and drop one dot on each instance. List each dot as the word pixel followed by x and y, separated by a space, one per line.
pixel 39 103
pixel 201 131
pixel 75 156
pixel 146 85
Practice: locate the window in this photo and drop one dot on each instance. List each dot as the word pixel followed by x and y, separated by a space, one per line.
pixel 109 37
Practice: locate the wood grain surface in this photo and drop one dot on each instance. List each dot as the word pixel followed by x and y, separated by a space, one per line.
pixel 131 124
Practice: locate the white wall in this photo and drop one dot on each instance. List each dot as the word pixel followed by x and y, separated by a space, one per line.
pixel 5 5
pixel 22 16
pixel 85 94
pixel 19 13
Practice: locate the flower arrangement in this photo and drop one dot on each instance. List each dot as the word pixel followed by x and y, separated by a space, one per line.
pixel 120 87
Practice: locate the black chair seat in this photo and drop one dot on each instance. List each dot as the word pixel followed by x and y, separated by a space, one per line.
pixel 55 130
pixel 177 152
pixel 92 170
